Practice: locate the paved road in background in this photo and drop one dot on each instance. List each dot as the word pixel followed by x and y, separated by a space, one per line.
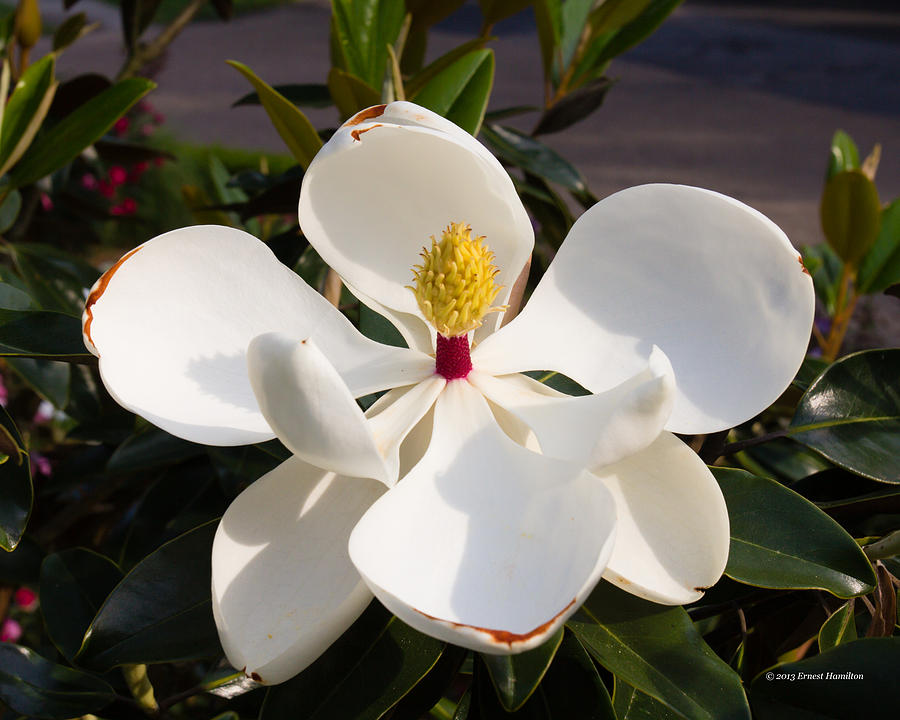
pixel 736 99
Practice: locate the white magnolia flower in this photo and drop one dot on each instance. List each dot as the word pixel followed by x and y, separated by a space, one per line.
pixel 681 310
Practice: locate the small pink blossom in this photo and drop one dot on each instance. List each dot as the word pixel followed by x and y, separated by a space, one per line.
pixel 137 170
pixel 159 118
pixel 89 182
pixel 25 598
pixel 147 129
pixel 40 464
pixel 121 126
pixel 10 631
pixel 128 206
pixel 117 175
pixel 106 188
pixel 4 393
pixel 46 202
pixel 44 413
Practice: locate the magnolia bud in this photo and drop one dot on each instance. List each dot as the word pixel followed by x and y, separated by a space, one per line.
pixel 28 23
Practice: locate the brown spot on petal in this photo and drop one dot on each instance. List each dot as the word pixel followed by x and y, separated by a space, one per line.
pixel 701 589
pixel 505 637
pixel 367 114
pixel 803 267
pixel 100 288
pixel 255 676
pixel 356 133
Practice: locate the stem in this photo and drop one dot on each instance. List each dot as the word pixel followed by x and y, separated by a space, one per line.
pixel 332 289
pixel 140 688
pixel 843 311
pixel 887 547
pixel 145 53
pixel 736 447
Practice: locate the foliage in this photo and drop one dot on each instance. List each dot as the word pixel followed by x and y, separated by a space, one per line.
pixel 110 521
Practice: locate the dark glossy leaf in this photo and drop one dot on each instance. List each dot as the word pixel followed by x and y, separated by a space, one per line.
pixel 431 689
pixel 416 83
pixel 16 493
pixel 573 107
pixel 122 152
pixel 496 10
pixel 48 378
pixel 781 540
pixel 65 140
pixel 26 110
pixel 515 677
pixel 224 8
pixel 851 414
pixel 533 156
pixel 361 676
pixel 839 628
pixel 292 125
pixel 151 448
pixel 631 704
pixel 12 298
pixel 657 650
pixel 23 565
pixel 853 680
pixel 9 209
pixel 613 14
pixel 843 156
pixel 361 31
pixel 74 584
pixel 72 28
pixel 350 93
pixel 880 268
pixel 313 95
pixel 33 686
pixel 162 609
pixel 461 91
pixel 811 368
pixel 783 459
pixel 136 17
pixel 73 93
pixel 825 267
pixel 41 334
pixel 850 212
pixel 55 279
pixel 379 328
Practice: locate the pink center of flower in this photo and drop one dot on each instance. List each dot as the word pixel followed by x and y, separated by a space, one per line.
pixel 452 359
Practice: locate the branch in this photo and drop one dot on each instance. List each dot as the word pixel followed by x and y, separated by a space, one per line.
pixel 145 53
pixel 736 447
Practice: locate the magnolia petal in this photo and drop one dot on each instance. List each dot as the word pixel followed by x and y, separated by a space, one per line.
pixel 484 544
pixel 389 179
pixel 392 420
pixel 172 319
pixel 309 407
pixel 715 284
pixel 672 533
pixel 592 430
pixel 283 586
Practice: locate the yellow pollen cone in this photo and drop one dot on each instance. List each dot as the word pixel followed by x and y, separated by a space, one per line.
pixel 454 285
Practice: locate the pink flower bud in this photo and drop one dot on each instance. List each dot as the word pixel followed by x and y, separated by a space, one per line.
pixel 121 126
pixel 88 182
pixel 117 175
pixel 46 202
pixel 106 188
pixel 25 598
pixel 10 631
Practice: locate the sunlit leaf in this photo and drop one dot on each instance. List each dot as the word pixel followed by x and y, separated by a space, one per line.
pixel 460 92
pixel 516 677
pixel 880 268
pixel 850 212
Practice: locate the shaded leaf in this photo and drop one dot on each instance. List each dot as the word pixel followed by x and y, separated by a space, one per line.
pixel 460 92
pixel 657 650
pixel 631 704
pixel 850 212
pixel 573 107
pixel 361 676
pixel 55 279
pixel 290 122
pixel 781 540
pixel 61 143
pixel 152 448
pixel 74 584
pixel 23 565
pixel 33 686
pixel 495 10
pixel 880 268
pixel 515 677
pixel 41 334
pixel 162 609
pixel 12 298
pixel 16 492
pixel 350 94
pixel 825 267
pixel 48 378
pixel 9 209
pixel 313 95
pixel 862 679
pixel 71 29
pixel 851 414
pixel 839 628
pixel 811 368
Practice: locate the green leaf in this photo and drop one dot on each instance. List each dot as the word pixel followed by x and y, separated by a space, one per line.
pixel 74 584
pixel 65 140
pixel 851 414
pixel 9 209
pixel 573 107
pixel 534 157
pixel 41 334
pixel 23 565
pixel 614 14
pixel 350 94
pixel 548 17
pixel 16 492
pixel 136 17
pixel 55 279
pixel 574 17
pixel 361 676
pixel 48 378
pixel 781 540
pixel 12 298
pixel 631 704
pixel 495 10
pixel 516 677
pixel 460 92
pixel 26 110
pixel 415 84
pixel 853 680
pixel 850 212
pixel 72 28
pixel 162 609
pixel 313 95
pixel 826 268
pixel 33 686
pixel 839 628
pixel 361 31
pixel 150 448
pixel 657 650
pixel 880 268
pixel 809 370
pixel 292 125
pixel 843 156
pixel 377 327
